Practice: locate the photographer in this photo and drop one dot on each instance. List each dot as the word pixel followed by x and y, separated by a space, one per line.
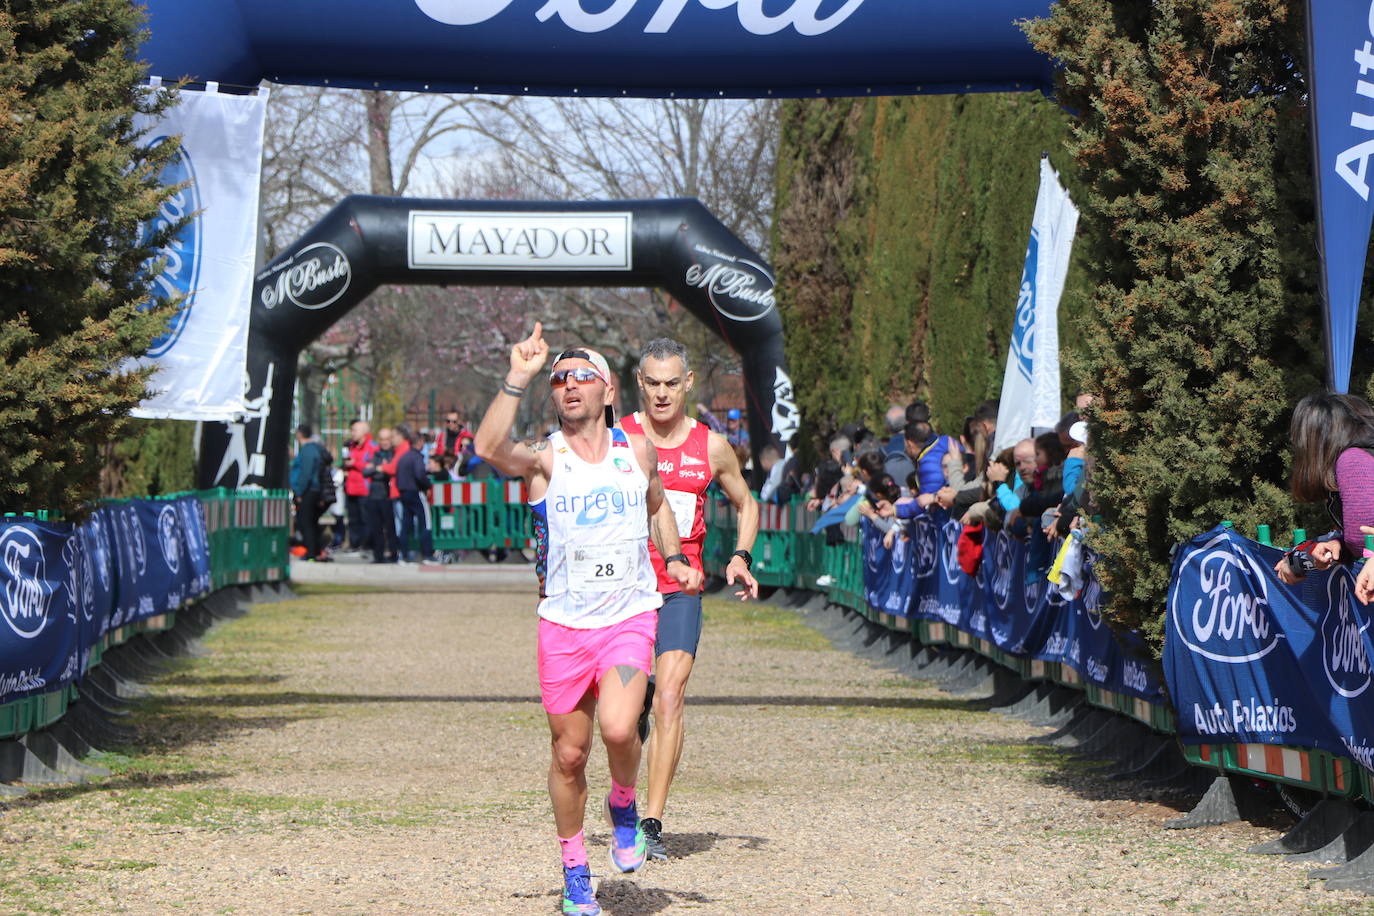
pixel 1332 435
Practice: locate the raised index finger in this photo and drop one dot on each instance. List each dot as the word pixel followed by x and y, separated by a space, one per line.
pixel 538 331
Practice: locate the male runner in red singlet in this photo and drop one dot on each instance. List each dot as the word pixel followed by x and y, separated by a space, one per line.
pixel 599 493
pixel 690 456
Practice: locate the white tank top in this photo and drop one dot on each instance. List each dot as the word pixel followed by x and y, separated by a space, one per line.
pixel 598 572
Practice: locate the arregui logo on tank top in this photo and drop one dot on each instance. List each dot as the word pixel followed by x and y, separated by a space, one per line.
pixel 597 506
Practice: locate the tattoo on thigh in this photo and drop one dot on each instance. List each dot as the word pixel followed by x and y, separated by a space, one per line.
pixel 627 673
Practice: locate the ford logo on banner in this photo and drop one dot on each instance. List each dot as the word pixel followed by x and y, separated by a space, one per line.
pixel 1023 334
pixel 802 15
pixel 1343 653
pixel 927 548
pixel 1219 603
pixel 169 537
pixel 1004 560
pixel 183 251
pixel 26 594
pixel 953 571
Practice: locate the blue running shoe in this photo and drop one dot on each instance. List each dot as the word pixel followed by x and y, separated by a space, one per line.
pixel 627 839
pixel 578 899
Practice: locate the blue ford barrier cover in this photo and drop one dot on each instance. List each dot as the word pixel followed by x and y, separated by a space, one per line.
pixel 63 587
pixel 1251 660
pixel 1019 614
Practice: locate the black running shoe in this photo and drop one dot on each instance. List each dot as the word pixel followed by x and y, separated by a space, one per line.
pixel 653 837
pixel 648 707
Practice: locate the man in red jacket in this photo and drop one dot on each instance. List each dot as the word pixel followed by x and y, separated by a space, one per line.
pixel 454 439
pixel 361 448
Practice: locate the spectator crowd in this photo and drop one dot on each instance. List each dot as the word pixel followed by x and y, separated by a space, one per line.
pixel 1033 490
pixel 376 499
pixel 378 503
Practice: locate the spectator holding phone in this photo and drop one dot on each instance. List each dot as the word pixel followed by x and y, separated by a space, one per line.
pixel 1332 436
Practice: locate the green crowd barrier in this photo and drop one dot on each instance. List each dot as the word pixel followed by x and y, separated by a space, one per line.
pixel 248 532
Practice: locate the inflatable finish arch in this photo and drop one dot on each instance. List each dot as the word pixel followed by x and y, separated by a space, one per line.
pixel 365 242
pixel 715 48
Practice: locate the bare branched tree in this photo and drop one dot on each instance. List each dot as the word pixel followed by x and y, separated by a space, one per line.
pixel 323 144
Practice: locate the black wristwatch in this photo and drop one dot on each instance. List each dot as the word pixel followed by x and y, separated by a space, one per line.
pixel 746 556
pixel 677 557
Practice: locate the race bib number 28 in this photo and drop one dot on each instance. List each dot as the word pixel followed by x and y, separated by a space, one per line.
pixel 602 567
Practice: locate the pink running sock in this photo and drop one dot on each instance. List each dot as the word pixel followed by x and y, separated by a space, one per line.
pixel 574 850
pixel 622 796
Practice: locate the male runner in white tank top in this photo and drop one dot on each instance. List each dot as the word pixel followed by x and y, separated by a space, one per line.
pixel 690 456
pixel 603 503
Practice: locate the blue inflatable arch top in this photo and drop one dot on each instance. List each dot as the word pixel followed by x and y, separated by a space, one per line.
pixel 645 48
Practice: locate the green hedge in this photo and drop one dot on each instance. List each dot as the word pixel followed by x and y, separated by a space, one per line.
pixel 899 241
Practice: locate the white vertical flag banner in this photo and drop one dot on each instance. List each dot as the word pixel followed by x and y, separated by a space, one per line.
pixel 201 357
pixel 1030 386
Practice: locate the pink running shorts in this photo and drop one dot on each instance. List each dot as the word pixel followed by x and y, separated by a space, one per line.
pixel 572 661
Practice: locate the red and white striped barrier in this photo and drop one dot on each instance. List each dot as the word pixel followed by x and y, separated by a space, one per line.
pixel 458 494
pixel 1288 762
pixel 246 513
pixel 276 513
pixel 773 517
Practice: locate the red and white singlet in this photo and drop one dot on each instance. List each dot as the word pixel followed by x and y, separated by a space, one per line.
pixel 686 473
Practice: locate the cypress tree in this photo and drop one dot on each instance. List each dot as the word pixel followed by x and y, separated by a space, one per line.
pixel 899 239
pixel 76 188
pixel 1202 325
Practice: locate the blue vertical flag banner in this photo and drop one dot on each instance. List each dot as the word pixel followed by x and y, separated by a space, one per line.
pixel 1340 35
pixel 1250 660
pixel 1030 384
pixel 64 587
pixel 216 171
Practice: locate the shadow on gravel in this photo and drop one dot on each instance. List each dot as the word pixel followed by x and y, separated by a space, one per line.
pixel 179 679
pixel 38 797
pixel 682 845
pixel 627 898
pixel 295 698
pixel 1092 779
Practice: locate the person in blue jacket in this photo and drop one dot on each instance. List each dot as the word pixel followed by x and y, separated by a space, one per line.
pixel 305 489
pixel 927 450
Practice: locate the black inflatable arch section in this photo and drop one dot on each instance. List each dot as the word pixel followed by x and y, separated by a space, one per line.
pixel 365 242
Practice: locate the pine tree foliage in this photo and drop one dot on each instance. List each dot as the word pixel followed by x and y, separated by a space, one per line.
pixel 76 187
pixel 1202 327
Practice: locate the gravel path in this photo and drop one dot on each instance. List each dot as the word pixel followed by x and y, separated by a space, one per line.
pixel 384 753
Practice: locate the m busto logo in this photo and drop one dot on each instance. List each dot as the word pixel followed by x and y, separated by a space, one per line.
pixel 313 278
pixel 738 288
